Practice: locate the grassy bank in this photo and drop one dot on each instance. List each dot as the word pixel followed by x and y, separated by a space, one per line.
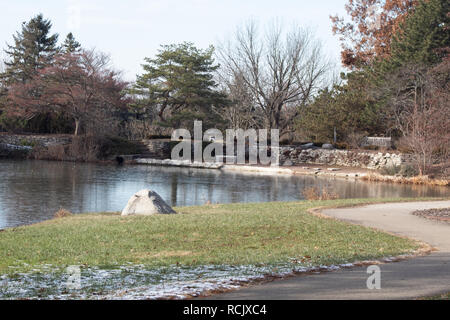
pixel 417 180
pixel 235 234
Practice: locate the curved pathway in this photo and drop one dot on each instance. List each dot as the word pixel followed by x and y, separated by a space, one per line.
pixel 413 278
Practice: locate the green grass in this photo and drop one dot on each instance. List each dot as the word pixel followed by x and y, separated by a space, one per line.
pixel 234 234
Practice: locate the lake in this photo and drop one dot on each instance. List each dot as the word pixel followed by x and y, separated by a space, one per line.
pixel 32 191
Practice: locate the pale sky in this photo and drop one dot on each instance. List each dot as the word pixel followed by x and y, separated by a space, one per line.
pixel 134 29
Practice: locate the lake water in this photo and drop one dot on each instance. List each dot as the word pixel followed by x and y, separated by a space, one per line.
pixel 31 191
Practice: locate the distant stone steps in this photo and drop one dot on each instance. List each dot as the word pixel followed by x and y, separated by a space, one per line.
pixel 153 149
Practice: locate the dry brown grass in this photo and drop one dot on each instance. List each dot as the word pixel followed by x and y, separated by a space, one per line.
pixel 314 193
pixel 62 213
pixel 418 180
pixel 52 152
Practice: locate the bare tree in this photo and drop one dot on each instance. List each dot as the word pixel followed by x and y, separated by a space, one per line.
pixel 282 70
pixel 420 101
pixel 242 111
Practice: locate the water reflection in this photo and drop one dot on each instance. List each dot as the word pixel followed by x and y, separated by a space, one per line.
pixel 31 191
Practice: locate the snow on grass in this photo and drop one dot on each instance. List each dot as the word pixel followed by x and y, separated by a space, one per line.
pixel 135 282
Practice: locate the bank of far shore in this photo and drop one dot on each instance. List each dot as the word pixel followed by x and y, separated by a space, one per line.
pixel 306 169
pixel 203 249
pixel 340 172
pixel 353 164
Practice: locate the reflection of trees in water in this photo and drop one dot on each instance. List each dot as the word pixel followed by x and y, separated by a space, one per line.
pixel 36 188
pixel 32 191
pixel 173 189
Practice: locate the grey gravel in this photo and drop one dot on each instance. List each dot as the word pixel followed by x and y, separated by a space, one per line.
pixel 442 214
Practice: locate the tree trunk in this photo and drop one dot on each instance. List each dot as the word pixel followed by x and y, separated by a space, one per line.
pixel 77 127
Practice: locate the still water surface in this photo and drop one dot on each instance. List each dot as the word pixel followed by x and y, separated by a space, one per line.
pixel 31 191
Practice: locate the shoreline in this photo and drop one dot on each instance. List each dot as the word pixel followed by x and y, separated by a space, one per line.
pixel 346 173
pixel 367 175
pixel 308 169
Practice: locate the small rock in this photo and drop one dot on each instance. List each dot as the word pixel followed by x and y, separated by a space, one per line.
pixel 308 145
pixel 327 146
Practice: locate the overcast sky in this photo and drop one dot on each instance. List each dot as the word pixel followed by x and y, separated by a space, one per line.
pixel 133 29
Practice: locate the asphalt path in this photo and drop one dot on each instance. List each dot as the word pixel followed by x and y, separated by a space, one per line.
pixel 408 279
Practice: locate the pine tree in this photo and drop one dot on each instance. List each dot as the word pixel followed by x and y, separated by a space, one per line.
pixel 70 45
pixel 33 49
pixel 425 35
pixel 178 84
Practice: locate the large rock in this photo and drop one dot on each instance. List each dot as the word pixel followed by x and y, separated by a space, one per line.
pixel 145 203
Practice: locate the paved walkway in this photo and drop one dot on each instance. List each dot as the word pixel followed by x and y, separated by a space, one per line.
pixel 409 279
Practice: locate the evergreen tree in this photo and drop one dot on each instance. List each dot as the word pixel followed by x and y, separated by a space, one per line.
pixel 349 108
pixel 178 84
pixel 70 45
pixel 425 36
pixel 33 49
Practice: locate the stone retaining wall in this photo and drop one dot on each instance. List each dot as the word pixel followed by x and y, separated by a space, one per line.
pixel 33 140
pixel 298 155
pixel 159 148
pixel 294 156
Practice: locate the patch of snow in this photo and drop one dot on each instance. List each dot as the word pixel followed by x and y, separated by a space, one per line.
pixel 134 282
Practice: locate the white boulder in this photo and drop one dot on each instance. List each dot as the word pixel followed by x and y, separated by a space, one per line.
pixel 146 203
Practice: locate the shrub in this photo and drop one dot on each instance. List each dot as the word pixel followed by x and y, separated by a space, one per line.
pixel 54 152
pixel 85 148
pixel 62 213
pixel 355 139
pixel 314 193
pixel 403 171
pixel 408 171
pixel 27 143
pixel 372 148
pixel 285 142
pixel 390 171
pixel 342 146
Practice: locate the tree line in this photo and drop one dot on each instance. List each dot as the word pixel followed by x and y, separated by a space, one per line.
pixel 396 53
